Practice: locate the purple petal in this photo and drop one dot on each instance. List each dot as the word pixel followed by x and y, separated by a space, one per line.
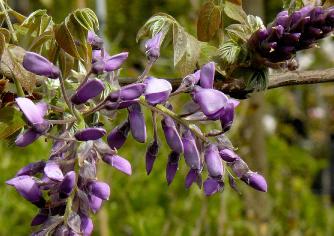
pixel 33 113
pixel 153 47
pixel 128 92
pixel 27 188
pixel 39 65
pixel 228 155
pixel 95 202
pixel 26 138
pixel 67 184
pixel 157 90
pixel 213 161
pixel 32 168
pixel 53 171
pixel 115 62
pixel 86 225
pixel 118 135
pixel 191 154
pixel 90 134
pixel 137 123
pixel 212 186
pixel 172 136
pixel 94 40
pixel 172 166
pixel 255 180
pixel 207 75
pixel 191 178
pixel 39 219
pixel 226 116
pixel 119 163
pixel 211 101
pixel 151 154
pixel 119 105
pixel 100 189
pixel 88 90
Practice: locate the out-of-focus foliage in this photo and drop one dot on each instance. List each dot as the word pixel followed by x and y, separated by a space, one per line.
pixel 296 148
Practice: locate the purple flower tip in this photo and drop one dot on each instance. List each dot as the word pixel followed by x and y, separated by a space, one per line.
pixel 95 202
pixel 92 133
pixel 119 163
pixel 151 155
pixel 255 180
pixel 157 90
pixel 27 138
pixel 212 186
pixel 172 166
pixel 99 189
pixel 39 219
pixel 207 75
pixel 39 65
pixel 88 90
pixel 86 225
pixel 32 168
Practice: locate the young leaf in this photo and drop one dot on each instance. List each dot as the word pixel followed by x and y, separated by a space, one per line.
pixel 235 12
pixel 229 52
pixel 258 80
pixel 209 21
pixel 10 121
pixel 179 43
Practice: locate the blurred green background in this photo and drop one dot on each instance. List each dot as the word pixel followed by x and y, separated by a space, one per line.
pixel 286 134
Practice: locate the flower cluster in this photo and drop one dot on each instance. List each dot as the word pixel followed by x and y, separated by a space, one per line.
pixel 65 187
pixel 288 34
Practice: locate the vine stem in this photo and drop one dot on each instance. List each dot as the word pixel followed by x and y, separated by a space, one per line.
pixel 165 111
pixel 9 23
pixel 145 72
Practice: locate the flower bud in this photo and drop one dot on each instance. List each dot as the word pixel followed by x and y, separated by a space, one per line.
pixel 157 90
pixel 115 62
pixel 192 177
pixel 228 155
pixel 95 41
pixel 137 123
pixel 172 166
pixel 207 75
pixel 128 92
pixel 191 154
pixel 152 47
pixel 226 116
pixel 95 202
pixel 67 184
pixel 26 138
pixel 213 162
pixel 119 163
pixel 92 133
pixel 88 90
pixel 32 168
pixel 99 189
pixel 212 186
pixel 239 167
pixel 151 155
pixel 172 136
pixel 86 225
pixel 39 219
pixel 39 65
pixel 118 135
pixel 255 180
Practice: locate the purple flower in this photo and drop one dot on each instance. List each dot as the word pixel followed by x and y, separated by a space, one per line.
pixel 95 202
pixel 39 65
pixel 172 136
pixel 115 62
pixel 189 81
pixel 95 41
pixel 213 162
pixel 39 219
pixel 32 168
pixel 227 116
pixel 118 135
pixel 27 188
pixel 172 166
pixel 92 133
pixel 255 180
pixel 157 90
pixel 53 171
pixel 34 114
pixel 99 189
pixel 212 186
pixel 86 225
pixel 192 177
pixel 191 154
pixel 211 101
pixel 119 163
pixel 88 90
pixel 151 155
pixel 228 155
pixel 128 92
pixel 137 123
pixel 152 47
pixel 67 184
pixel 207 75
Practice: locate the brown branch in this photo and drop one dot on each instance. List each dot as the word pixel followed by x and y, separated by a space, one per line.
pixel 236 87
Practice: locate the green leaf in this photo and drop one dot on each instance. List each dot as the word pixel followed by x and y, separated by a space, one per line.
pixel 229 52
pixel 209 21
pixel 235 12
pixel 258 80
pixel 10 121
pixel 207 53
pixel 238 32
pixel 254 23
pixel 292 5
pixel 179 43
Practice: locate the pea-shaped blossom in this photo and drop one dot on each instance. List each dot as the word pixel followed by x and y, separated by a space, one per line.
pixel 127 93
pixel 137 123
pixel 52 171
pixel 172 166
pixel 207 75
pixel 119 163
pixel 172 136
pixel 213 161
pixel 107 62
pixel 152 47
pixel 99 189
pixel 151 154
pixel 39 65
pixel 27 188
pixel 157 90
pixel 34 114
pixel 92 133
pixel 191 153
pixel 88 90
pixel 211 101
pixel 255 180
pixel 67 184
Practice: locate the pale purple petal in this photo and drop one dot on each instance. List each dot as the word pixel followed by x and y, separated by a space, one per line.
pixel 86 225
pixel 100 189
pixel 115 62
pixel 39 65
pixel 53 171
pixel 26 138
pixel 32 112
pixel 137 123
pixel 157 90
pixel 119 163
pixel 213 161
pixel 212 186
pixel 207 75
pixel 27 187
pixel 88 90
pixel 95 202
